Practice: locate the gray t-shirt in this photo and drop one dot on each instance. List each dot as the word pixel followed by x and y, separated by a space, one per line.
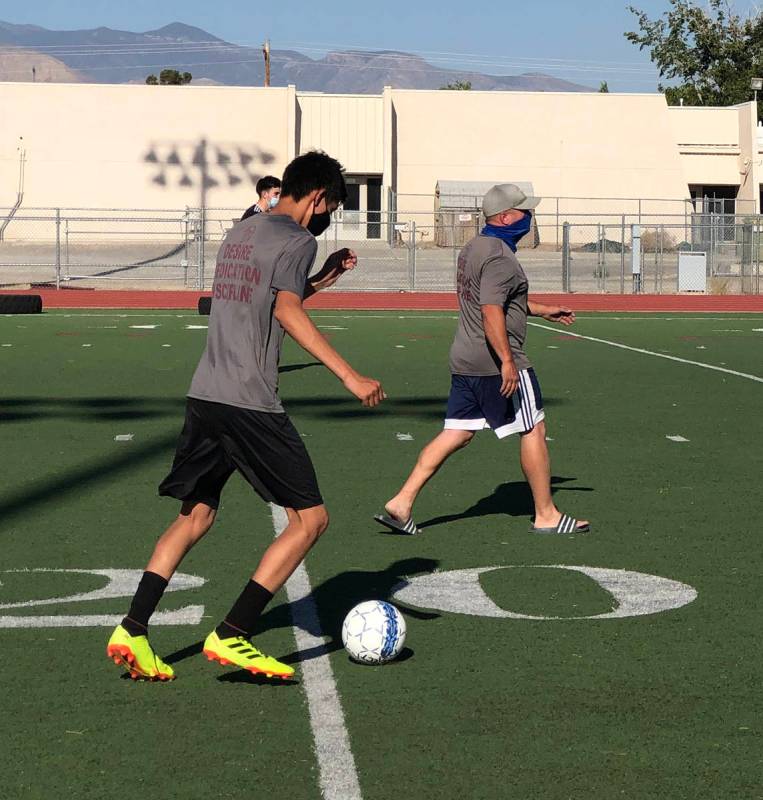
pixel 488 274
pixel 260 256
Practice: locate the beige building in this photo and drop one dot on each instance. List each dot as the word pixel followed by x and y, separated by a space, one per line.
pixel 146 147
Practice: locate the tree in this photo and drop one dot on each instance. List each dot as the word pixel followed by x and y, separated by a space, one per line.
pixel 170 77
pixel 707 53
pixel 458 86
pixel 604 87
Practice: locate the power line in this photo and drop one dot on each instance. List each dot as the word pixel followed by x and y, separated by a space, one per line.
pixel 423 68
pixel 143 48
pixel 426 69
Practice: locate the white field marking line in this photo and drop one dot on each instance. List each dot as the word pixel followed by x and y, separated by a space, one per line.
pixel 422 315
pixel 338 777
pixel 454 315
pixel 391 316
pixel 647 317
pixel 115 315
pixel 651 353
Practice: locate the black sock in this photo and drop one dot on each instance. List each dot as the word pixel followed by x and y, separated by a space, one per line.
pixel 144 603
pixel 242 618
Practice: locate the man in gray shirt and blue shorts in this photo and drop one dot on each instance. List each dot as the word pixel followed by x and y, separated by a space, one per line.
pixel 234 417
pixel 493 384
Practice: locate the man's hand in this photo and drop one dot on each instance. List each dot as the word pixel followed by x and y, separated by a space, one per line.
pixel 563 315
pixel 509 378
pixel 367 390
pixel 336 265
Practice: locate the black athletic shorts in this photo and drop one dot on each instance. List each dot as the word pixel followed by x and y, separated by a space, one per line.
pixel 265 448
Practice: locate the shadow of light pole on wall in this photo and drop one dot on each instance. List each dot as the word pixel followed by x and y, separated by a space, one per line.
pixel 207 166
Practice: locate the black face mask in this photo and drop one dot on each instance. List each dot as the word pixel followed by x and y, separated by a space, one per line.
pixel 319 223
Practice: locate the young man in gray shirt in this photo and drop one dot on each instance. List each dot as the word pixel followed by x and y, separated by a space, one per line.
pixel 493 383
pixel 235 420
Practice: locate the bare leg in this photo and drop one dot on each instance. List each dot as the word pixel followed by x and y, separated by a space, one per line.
pixel 536 464
pixel 287 552
pixel 430 459
pixel 194 520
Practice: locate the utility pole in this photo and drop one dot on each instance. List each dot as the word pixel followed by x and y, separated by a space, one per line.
pixel 266 54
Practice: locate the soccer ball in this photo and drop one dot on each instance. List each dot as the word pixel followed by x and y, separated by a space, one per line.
pixel 373 632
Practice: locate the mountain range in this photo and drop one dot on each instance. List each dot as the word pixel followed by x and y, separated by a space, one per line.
pixel 103 55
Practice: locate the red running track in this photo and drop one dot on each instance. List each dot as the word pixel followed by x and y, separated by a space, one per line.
pixel 399 301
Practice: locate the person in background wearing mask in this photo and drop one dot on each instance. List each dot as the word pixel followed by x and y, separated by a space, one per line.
pixel 235 420
pixel 493 384
pixel 268 191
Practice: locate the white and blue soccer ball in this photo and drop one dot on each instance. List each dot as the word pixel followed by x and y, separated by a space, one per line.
pixel 373 632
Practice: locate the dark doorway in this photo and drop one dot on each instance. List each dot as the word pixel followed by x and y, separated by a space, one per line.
pixel 374 190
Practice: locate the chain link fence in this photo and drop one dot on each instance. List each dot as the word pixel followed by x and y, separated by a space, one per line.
pixel 118 248
pixel 652 259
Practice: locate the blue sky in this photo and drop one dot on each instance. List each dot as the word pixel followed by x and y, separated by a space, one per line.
pixel 580 40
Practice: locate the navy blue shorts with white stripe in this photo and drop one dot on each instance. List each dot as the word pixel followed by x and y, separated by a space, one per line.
pixel 476 403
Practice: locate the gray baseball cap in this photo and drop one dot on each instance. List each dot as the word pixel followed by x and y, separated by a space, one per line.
pixel 506 196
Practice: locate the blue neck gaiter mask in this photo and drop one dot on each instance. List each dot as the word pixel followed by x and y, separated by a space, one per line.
pixel 511 234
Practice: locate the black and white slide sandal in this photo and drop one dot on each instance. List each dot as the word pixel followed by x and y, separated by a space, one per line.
pixel 408 528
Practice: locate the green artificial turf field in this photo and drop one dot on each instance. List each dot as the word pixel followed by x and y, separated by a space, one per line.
pixel 566 705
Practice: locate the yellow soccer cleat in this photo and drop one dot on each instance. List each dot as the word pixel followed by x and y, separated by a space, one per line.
pixel 137 656
pixel 238 651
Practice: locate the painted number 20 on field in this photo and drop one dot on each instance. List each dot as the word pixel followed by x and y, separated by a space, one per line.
pixel 457 591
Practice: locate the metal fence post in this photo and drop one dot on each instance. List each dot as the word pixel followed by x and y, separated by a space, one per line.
pixel 636 257
pixel 202 236
pixel 453 241
pixel 599 259
pixel 656 260
pixel 557 224
pixel 622 255
pixel 66 249
pixel 184 259
pixel 658 284
pixel 412 258
pixel 58 248
pixel 566 257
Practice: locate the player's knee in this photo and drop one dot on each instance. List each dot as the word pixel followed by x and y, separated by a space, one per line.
pixel 467 438
pixel 322 521
pixel 199 519
pixel 314 522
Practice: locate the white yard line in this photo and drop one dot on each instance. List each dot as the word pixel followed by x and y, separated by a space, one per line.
pixel 113 315
pixel 647 316
pixel 423 314
pixel 648 352
pixel 336 764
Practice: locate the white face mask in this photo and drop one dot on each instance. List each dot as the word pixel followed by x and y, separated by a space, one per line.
pixel 273 202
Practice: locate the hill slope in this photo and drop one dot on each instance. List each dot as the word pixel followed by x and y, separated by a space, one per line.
pixel 103 55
